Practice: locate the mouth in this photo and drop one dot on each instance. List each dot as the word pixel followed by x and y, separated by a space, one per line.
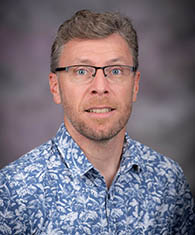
pixel 99 110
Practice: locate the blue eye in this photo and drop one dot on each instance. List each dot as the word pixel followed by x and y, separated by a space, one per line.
pixel 81 72
pixel 116 71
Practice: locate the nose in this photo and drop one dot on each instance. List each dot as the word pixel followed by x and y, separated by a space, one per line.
pixel 99 85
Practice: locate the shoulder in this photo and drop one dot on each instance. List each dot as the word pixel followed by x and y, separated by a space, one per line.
pixel 166 183
pixel 155 164
pixel 27 166
pixel 22 189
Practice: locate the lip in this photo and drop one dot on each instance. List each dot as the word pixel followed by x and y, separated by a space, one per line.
pixel 100 111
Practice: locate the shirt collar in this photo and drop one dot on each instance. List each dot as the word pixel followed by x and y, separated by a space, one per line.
pixel 71 153
pixel 78 163
pixel 131 156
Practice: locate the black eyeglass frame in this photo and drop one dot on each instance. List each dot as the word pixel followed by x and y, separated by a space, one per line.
pixel 132 68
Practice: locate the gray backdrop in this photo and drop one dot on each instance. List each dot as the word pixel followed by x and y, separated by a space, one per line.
pixel 163 115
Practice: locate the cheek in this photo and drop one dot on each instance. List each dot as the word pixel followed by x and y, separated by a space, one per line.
pixel 70 97
pixel 126 94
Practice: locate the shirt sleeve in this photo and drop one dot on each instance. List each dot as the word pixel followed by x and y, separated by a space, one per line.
pixel 184 219
pixel 11 208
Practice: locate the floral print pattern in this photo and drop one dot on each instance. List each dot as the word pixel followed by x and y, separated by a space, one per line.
pixel 55 190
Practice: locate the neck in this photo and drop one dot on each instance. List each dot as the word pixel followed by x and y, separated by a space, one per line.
pixel 104 156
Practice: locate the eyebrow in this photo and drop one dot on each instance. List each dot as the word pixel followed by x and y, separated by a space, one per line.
pixel 116 60
pixel 112 61
pixel 83 61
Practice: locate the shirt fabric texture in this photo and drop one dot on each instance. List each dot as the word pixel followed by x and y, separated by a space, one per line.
pixel 55 190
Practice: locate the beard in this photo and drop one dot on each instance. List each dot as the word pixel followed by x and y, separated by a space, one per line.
pixel 102 130
pixel 99 135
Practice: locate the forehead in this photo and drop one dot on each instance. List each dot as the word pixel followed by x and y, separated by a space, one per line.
pixel 97 51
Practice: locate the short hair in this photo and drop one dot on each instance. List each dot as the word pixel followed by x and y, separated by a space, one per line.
pixel 86 24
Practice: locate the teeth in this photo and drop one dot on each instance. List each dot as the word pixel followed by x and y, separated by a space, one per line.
pixel 106 110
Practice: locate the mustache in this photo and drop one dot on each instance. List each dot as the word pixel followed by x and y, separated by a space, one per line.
pixel 100 102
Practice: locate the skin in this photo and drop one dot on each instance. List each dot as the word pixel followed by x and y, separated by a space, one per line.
pixel 99 135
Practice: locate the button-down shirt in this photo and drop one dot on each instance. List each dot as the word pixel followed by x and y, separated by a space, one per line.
pixel 55 190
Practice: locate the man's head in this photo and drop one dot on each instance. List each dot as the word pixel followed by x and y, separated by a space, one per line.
pixel 94 74
pixel 86 24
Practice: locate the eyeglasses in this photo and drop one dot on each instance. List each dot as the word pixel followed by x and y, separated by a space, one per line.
pixel 85 73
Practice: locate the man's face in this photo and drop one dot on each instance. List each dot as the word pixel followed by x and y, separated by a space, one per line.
pixel 99 109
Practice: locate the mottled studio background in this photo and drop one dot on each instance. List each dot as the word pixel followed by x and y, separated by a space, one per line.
pixel 163 116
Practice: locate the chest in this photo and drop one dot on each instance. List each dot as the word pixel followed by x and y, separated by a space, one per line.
pixel 85 206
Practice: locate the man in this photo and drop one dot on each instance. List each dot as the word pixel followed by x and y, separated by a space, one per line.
pixel 91 178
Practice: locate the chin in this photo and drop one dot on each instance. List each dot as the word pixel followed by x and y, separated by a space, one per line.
pixel 99 135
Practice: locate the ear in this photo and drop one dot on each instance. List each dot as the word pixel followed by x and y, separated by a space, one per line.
pixel 136 85
pixel 54 87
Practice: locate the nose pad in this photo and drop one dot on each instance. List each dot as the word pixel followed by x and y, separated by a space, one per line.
pixel 93 75
pixel 103 69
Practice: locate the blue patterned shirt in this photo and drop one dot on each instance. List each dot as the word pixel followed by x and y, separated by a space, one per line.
pixel 55 190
